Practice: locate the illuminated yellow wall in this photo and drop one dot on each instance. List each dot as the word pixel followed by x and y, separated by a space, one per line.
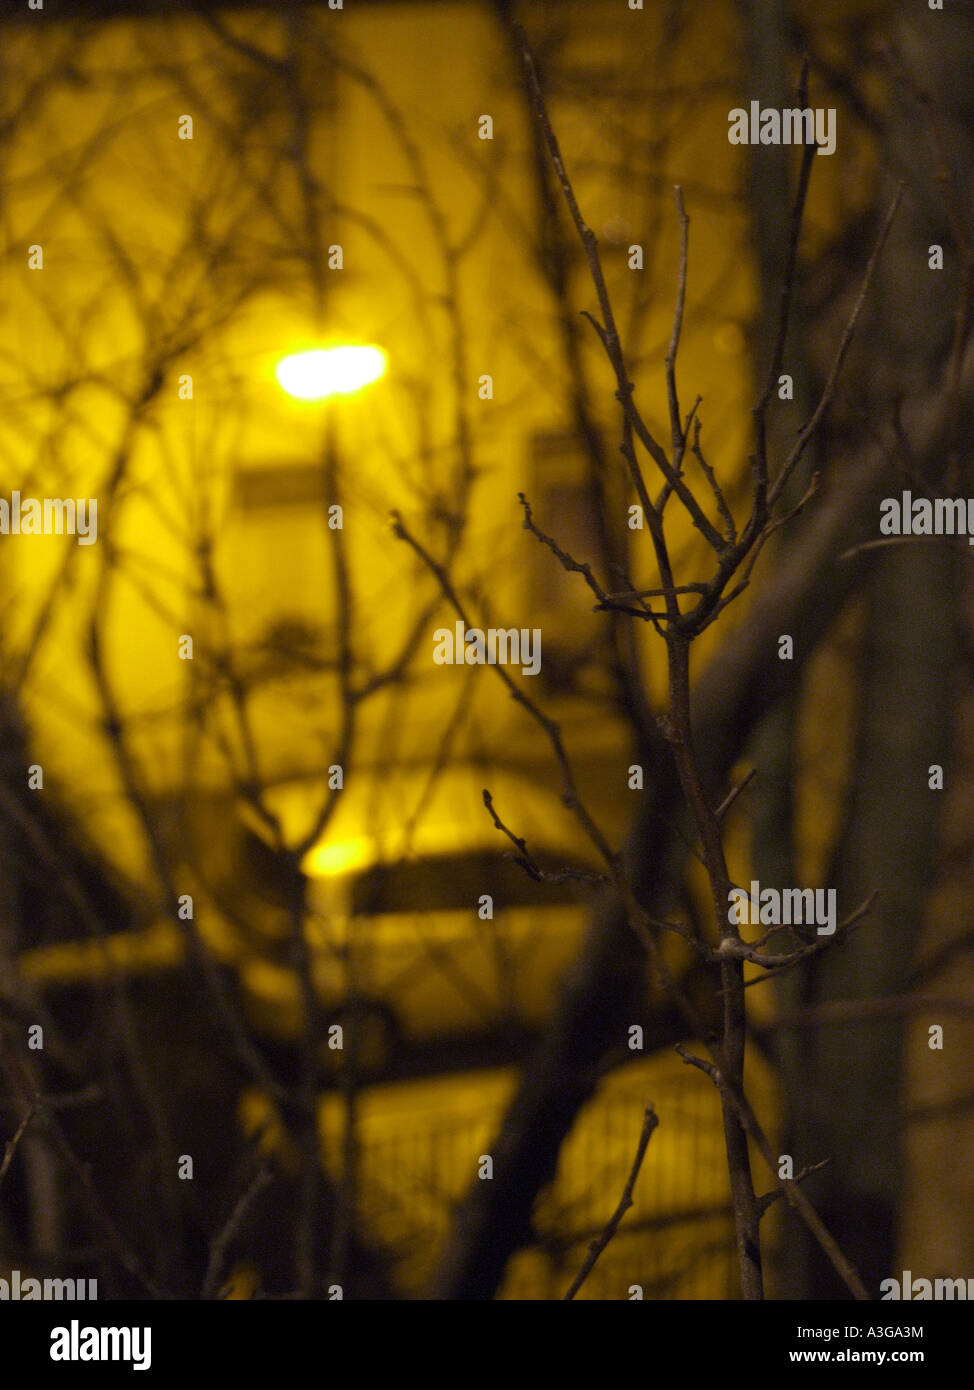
pixel 195 254
pixel 210 242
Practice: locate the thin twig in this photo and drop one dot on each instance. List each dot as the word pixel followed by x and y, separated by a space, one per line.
pixel 608 333
pixel 769 1198
pixel 828 390
pixel 221 1241
pixel 10 1148
pixel 650 1122
pixel 784 315
pixel 528 863
pixel 726 516
pixel 793 1193
pixel 570 794
pixel 678 434
pixel 32 1104
pixel 734 793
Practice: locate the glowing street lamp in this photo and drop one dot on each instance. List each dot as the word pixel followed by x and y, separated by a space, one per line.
pixel 322 372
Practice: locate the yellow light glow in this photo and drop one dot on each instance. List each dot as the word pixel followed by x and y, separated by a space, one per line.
pixel 322 861
pixel 323 372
